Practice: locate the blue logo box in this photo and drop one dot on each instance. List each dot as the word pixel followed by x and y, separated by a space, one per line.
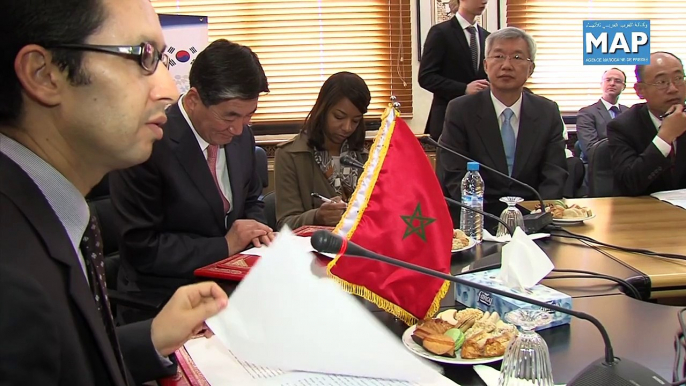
pixel 616 42
pixel 486 301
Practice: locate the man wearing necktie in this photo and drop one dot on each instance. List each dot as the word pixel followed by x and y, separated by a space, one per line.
pixel 591 121
pixel 649 149
pixel 196 200
pixel 515 132
pixel 82 95
pixel 452 61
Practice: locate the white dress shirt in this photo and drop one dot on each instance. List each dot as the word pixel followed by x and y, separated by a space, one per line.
pixel 222 169
pixel 516 109
pixel 464 24
pixel 660 143
pixel 608 105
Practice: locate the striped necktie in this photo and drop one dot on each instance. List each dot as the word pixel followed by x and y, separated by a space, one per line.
pixel 474 47
pixel 509 140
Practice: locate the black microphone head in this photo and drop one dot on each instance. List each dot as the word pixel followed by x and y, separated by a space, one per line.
pixel 347 160
pixel 326 242
pixel 427 140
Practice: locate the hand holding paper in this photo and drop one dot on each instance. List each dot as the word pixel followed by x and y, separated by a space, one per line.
pixel 524 264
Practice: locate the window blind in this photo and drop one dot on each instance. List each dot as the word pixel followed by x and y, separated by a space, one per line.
pixel 557 28
pixel 301 43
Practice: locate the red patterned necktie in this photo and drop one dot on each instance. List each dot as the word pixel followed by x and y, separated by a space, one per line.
pixel 91 249
pixel 212 151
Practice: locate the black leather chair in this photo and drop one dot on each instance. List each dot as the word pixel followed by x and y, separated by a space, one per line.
pixel 600 176
pixel 574 186
pixel 270 209
pixel 261 165
pixel 100 205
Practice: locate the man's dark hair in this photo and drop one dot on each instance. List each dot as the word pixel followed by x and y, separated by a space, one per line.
pixel 226 70
pixel 640 68
pixel 338 86
pixel 46 23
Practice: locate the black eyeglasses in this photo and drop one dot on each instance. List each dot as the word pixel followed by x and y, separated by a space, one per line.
pixel 146 54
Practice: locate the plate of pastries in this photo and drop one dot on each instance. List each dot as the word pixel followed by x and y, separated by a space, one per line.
pixel 566 213
pixel 469 337
pixel 461 241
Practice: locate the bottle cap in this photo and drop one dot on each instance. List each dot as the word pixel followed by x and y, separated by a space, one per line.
pixel 472 166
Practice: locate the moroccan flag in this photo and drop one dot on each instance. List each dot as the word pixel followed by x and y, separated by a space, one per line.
pixel 396 210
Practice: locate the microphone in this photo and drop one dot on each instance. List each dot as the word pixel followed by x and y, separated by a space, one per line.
pixel 533 222
pixel 450 201
pixel 346 160
pixel 607 370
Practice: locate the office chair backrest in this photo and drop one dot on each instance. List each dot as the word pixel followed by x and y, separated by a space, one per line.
pixel 600 175
pixel 270 209
pixel 261 165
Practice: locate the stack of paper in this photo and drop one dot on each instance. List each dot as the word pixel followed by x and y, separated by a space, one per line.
pixel 674 197
pixel 282 316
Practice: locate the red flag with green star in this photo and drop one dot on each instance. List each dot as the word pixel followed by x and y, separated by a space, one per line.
pixel 397 210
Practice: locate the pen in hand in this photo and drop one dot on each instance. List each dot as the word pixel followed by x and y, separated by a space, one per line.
pixel 668 113
pixel 319 196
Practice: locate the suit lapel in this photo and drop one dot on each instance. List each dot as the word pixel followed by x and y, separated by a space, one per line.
pixel 527 136
pixel 603 112
pixel 489 131
pixel 482 46
pixel 192 159
pixel 30 200
pixel 233 165
pixel 463 44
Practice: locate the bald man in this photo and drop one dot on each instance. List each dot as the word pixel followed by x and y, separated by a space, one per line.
pixel 649 149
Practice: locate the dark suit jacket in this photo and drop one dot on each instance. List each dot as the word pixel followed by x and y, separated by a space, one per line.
pixel 446 68
pixel 169 211
pixel 638 165
pixel 590 125
pixel 471 128
pixel 50 328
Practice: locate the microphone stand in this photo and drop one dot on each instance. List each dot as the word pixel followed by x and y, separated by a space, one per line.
pixel 349 161
pixel 536 221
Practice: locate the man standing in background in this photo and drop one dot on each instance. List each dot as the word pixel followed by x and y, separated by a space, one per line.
pixel 452 61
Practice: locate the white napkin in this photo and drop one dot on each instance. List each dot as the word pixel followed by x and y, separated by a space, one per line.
pixel 524 263
pixel 490 376
pixel 283 316
pixel 507 238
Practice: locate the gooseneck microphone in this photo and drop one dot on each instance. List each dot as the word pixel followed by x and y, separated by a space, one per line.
pixel 346 160
pixel 605 371
pixel 534 222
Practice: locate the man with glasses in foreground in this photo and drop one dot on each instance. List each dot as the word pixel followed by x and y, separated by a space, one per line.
pixel 591 121
pixel 82 94
pixel 196 200
pixel 515 132
pixel 647 142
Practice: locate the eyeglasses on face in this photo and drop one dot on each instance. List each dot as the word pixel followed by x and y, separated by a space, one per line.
pixel 501 58
pixel 146 54
pixel 663 84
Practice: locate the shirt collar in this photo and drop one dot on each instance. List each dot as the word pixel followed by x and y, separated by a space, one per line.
pixel 203 144
pixel 463 22
pixel 656 121
pixel 608 104
pixel 68 203
pixel 500 106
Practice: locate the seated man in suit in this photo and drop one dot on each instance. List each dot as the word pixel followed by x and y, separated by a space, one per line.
pixel 514 132
pixel 82 94
pixel 196 200
pixel 648 152
pixel 591 120
pixel 452 61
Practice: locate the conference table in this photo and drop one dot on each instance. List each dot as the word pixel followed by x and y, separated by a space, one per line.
pixel 640 330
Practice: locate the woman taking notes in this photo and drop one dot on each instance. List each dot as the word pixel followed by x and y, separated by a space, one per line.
pixel 310 162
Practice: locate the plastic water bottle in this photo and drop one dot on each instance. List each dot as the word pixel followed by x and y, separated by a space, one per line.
pixel 472 223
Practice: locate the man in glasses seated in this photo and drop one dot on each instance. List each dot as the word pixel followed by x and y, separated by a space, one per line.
pixel 591 121
pixel 83 93
pixel 196 200
pixel 514 132
pixel 647 142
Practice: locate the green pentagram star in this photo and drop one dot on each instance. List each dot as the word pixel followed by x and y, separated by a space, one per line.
pixel 416 217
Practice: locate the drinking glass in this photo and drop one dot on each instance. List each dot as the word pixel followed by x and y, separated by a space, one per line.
pixel 527 360
pixel 511 215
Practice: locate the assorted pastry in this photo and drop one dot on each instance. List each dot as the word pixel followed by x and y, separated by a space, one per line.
pixel 561 210
pixel 460 239
pixel 470 332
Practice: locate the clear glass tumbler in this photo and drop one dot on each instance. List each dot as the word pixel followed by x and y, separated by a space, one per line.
pixel 511 215
pixel 527 360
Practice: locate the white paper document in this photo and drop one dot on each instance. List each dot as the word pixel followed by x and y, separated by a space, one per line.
pixel 283 316
pixel 674 197
pixel 303 243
